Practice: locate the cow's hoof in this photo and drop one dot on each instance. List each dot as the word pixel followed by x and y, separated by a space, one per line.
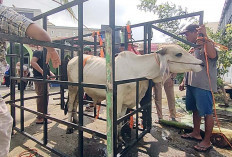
pixel 69 131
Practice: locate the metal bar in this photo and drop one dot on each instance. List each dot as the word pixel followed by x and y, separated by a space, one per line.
pixel 137 106
pixel 21 87
pixel 95 44
pixel 132 143
pixel 85 35
pixel 12 82
pixel 145 39
pixel 112 26
pixel 72 43
pixel 126 39
pixel 201 18
pixel 149 108
pixel 131 113
pixel 80 72
pixel 99 134
pixel 129 81
pixel 87 115
pixel 45 130
pixel 135 41
pixel 168 19
pixel 58 9
pixel 29 98
pixel 50 148
pixel 174 36
pixel 24 40
pixel 109 91
pixel 62 74
pixel 62 82
pixel 5 96
pixel 149 32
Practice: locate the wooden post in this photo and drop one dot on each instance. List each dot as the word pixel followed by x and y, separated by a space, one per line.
pixel 109 91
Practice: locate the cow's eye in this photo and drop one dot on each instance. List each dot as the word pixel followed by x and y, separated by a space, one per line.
pixel 178 54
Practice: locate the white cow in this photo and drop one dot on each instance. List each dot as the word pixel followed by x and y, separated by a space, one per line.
pixel 171 58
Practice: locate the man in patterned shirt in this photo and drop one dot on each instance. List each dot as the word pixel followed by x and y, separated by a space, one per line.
pixel 13 23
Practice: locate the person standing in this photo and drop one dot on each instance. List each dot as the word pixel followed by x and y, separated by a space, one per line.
pixel 26 73
pixel 169 90
pixel 13 23
pixel 37 64
pixel 199 98
pixel 7 76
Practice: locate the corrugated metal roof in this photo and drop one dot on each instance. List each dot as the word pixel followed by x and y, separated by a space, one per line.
pixel 226 6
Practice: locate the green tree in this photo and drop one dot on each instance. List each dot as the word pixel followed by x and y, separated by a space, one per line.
pixel 166 10
pixel 70 10
pixel 223 37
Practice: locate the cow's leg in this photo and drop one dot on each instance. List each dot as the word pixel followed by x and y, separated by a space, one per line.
pixel 74 114
pixel 121 112
pixel 72 91
pixel 125 130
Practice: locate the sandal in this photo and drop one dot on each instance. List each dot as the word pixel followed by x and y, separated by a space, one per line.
pixel 202 148
pixel 189 137
pixel 41 121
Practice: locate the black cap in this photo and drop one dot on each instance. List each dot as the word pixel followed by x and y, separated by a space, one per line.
pixel 190 28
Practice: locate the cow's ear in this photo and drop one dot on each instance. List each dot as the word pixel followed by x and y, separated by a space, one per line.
pixel 161 51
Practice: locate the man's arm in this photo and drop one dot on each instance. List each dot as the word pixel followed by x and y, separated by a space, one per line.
pixel 211 51
pixel 35 65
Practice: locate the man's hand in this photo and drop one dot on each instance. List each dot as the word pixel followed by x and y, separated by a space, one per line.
pixel 181 86
pixel 202 30
pixel 53 55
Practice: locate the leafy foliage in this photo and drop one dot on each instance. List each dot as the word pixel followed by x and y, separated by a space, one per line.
pixel 225 56
pixel 70 10
pixel 166 10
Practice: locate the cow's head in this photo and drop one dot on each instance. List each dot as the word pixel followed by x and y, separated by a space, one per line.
pixel 175 59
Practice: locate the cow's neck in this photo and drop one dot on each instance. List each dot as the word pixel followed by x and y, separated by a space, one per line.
pixel 146 66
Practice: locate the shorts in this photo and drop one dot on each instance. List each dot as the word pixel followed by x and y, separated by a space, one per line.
pixel 13 23
pixel 199 100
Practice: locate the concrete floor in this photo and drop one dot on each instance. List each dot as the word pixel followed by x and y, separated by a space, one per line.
pixel 162 141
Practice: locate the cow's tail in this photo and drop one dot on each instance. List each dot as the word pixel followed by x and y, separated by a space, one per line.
pixel 66 106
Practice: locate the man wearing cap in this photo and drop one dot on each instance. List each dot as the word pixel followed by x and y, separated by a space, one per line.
pixel 88 51
pixel 199 98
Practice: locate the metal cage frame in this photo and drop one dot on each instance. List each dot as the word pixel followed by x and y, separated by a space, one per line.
pixel 111 136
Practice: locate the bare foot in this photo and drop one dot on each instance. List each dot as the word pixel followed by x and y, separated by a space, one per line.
pixel 202 147
pixel 191 136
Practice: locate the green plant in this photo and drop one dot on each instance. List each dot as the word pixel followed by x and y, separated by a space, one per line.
pixel 223 37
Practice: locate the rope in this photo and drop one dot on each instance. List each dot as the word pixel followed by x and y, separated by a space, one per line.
pixel 131 121
pixel 129 36
pixel 28 153
pixel 101 44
